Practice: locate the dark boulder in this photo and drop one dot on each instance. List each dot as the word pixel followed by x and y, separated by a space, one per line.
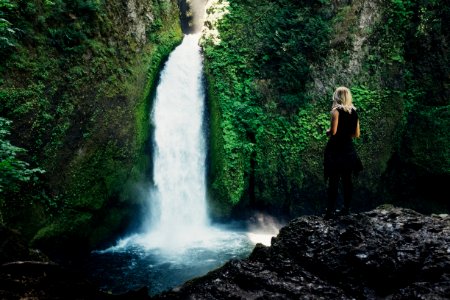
pixel 386 253
pixel 12 246
pixel 51 281
pixel 29 274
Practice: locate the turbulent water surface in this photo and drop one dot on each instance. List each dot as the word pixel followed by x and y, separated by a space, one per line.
pixel 131 266
pixel 179 242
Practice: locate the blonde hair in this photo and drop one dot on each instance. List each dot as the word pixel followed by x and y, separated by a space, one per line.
pixel 342 98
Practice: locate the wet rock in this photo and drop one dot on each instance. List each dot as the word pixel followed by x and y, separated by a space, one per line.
pixel 386 253
pixel 50 281
pixel 29 274
pixel 12 246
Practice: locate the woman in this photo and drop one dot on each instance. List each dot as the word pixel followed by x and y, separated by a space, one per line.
pixel 341 159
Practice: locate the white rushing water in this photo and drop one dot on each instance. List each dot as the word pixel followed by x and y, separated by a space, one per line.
pixel 178 216
pixel 178 202
pixel 179 242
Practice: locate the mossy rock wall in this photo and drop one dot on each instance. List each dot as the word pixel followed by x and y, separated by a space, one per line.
pixel 272 68
pixel 77 84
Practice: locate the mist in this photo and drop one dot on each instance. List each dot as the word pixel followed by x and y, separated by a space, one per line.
pixel 192 15
pixel 262 228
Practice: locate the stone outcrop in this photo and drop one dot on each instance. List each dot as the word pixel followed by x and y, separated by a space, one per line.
pixel 48 280
pixel 101 61
pixel 387 253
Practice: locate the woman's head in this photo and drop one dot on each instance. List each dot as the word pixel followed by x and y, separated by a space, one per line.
pixel 342 98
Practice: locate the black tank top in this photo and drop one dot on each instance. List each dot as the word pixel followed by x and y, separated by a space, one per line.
pixel 347 123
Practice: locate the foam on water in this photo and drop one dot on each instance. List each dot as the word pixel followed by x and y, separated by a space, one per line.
pixel 179 242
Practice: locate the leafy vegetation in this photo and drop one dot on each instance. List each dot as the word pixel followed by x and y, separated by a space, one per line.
pixel 412 55
pixel 76 76
pixel 76 79
pixel 7 30
pixel 258 75
pixel 270 82
pixel 13 170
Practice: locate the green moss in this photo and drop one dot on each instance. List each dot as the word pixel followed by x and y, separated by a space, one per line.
pixel 427 141
pixel 216 188
pixel 386 206
pixel 79 96
pixel 68 234
pixel 102 231
pixel 111 171
pixel 269 115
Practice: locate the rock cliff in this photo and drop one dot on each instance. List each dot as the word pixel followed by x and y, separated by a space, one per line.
pixel 386 253
pixel 389 253
pixel 272 69
pixel 76 84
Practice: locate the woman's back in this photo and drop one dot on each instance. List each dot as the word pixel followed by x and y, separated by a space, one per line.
pixel 347 123
pixel 346 128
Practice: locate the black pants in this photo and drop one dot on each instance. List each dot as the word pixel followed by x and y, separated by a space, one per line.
pixel 333 186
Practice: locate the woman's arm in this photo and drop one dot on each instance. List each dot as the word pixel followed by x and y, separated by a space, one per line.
pixel 357 131
pixel 334 122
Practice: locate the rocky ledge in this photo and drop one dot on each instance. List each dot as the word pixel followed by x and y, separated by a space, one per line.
pixel 386 253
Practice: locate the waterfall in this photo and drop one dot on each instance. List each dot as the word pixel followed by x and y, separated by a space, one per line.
pixel 178 201
pixel 179 243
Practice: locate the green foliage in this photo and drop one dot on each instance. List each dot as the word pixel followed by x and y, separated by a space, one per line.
pixel 13 170
pixel 413 59
pixel 7 30
pixel 260 116
pixel 268 119
pixel 77 88
pixel 301 36
pixel 428 139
